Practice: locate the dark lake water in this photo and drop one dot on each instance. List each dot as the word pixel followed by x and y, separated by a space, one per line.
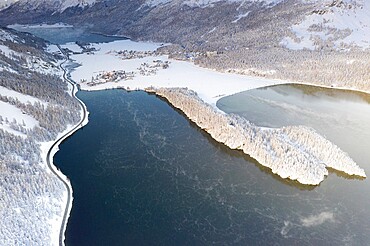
pixel 144 175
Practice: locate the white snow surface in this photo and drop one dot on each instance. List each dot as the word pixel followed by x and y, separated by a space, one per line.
pixel 13 113
pixel 71 3
pixel 352 19
pixel 153 3
pixel 21 97
pixel 240 16
pixel 209 84
pixel 53 49
pixel 202 3
pixel 73 47
pixel 6 51
pixel 59 5
pixel 6 3
pixel 4 36
pixel 33 63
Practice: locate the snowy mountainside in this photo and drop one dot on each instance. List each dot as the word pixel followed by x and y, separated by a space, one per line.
pixel 72 3
pixel 13 46
pixel 10 35
pixel 205 3
pixel 338 24
pixel 34 108
pixel 280 39
pixel 56 5
pixel 6 3
pixel 310 24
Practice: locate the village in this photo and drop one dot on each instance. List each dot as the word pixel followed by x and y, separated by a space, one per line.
pixel 132 54
pixel 145 69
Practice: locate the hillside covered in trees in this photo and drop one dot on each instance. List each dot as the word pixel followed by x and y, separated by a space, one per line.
pixel 35 106
pixel 320 42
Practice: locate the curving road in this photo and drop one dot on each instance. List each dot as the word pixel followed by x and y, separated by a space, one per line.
pixel 57 142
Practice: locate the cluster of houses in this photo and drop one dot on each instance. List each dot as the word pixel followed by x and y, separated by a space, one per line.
pixel 132 54
pixel 147 69
pixel 111 76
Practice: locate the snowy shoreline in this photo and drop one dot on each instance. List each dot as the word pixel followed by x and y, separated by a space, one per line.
pixel 210 86
pixel 294 152
pixel 48 150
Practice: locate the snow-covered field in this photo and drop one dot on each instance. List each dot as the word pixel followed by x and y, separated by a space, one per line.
pixel 21 97
pixel 209 84
pixel 53 49
pixel 343 25
pixel 6 51
pixel 11 114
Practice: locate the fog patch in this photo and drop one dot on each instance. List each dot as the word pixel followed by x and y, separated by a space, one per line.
pixel 315 220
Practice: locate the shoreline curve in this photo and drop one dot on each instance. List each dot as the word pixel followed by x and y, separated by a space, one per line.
pixel 294 152
pixel 55 147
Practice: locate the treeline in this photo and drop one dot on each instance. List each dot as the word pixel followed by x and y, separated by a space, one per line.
pixel 38 85
pixel 31 196
pixel 295 152
pixel 253 45
pixel 329 68
pixel 52 118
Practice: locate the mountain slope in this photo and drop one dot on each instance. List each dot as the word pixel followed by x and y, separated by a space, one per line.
pixel 337 24
pixel 329 24
pixel 292 40
pixel 57 5
pixel 34 108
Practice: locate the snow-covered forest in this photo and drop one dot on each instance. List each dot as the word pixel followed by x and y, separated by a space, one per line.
pixel 298 41
pixel 35 106
pixel 294 152
pixel 319 42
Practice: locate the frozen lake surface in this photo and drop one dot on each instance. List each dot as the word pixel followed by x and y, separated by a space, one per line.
pixel 142 174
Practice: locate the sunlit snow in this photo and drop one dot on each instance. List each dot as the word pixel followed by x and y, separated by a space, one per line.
pixel 345 26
